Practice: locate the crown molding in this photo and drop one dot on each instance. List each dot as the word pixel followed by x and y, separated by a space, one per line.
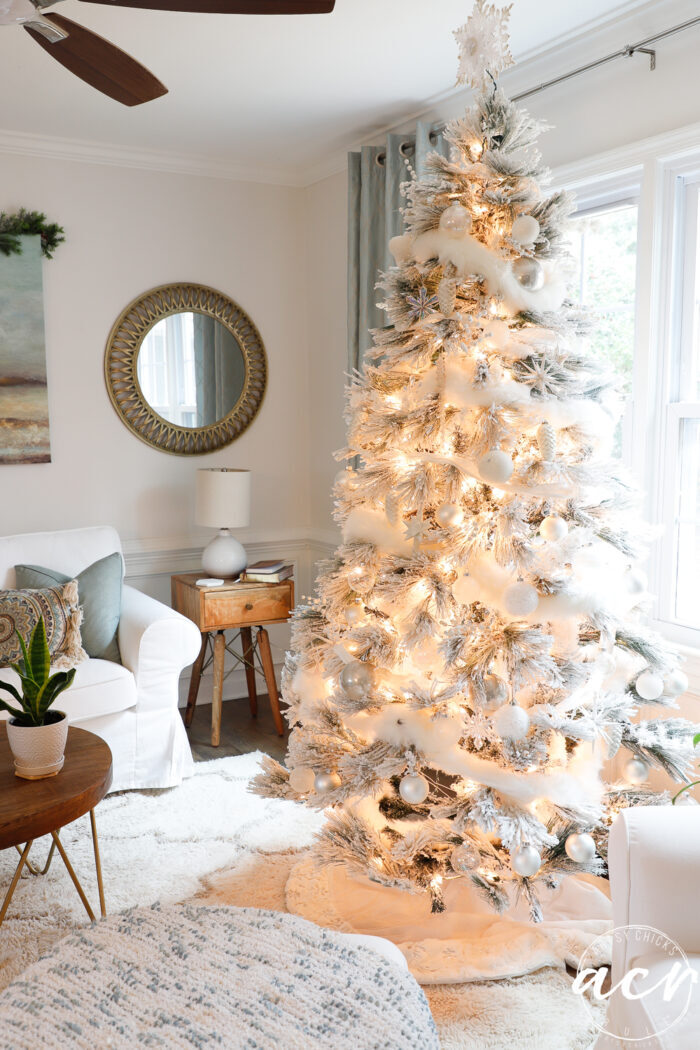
pixel 103 153
pixel 589 40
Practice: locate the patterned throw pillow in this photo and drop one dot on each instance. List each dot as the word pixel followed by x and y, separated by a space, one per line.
pixel 62 617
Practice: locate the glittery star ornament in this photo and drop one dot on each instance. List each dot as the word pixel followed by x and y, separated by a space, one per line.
pixel 422 304
pixel 483 44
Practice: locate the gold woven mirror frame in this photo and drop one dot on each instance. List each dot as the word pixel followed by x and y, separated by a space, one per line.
pixel 121 373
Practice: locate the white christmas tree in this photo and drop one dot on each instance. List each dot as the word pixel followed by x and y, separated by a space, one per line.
pixel 477 651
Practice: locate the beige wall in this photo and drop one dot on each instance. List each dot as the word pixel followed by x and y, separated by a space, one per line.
pixel 127 231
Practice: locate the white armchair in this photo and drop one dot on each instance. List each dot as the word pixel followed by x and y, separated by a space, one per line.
pixel 654 860
pixel 133 706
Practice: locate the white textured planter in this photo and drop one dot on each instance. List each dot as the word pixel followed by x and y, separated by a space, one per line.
pixel 38 750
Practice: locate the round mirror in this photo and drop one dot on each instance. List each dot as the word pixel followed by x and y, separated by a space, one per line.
pixel 185 369
pixel 191 369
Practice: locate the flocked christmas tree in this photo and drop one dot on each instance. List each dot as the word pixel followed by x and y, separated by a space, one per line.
pixel 477 651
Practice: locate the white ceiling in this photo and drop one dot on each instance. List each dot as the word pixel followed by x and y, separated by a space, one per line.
pixel 271 98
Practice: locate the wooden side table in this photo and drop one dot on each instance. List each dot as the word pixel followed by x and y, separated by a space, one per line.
pixel 233 607
pixel 30 809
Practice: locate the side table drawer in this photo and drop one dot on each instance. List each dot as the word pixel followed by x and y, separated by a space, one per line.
pixel 247 605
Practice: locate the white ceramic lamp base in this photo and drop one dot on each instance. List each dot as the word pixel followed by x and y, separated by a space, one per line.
pixel 224 556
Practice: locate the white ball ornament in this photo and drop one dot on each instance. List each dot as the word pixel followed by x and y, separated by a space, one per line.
pixel 448 515
pixel 526 862
pixel 675 684
pixel 636 771
pixel 357 679
pixel 343 477
pixel 520 599
pixel 580 848
pixel 525 229
pixel 464 857
pixel 414 788
pixel 511 722
pixel 649 686
pixel 495 466
pixel 553 528
pixel 529 274
pixel 324 782
pixel 456 220
pixel 302 779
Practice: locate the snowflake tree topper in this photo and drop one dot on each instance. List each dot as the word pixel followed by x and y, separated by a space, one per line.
pixel 483 44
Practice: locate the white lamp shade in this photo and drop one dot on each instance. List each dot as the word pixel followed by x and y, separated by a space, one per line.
pixel 223 498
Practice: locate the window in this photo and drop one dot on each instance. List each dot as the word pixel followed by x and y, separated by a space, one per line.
pixel 635 244
pixel 680 488
pixel 603 279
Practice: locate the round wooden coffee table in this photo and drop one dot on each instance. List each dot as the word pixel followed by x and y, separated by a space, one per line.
pixel 32 808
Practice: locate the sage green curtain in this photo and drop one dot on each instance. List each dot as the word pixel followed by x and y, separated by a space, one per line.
pixel 219 370
pixel 374 217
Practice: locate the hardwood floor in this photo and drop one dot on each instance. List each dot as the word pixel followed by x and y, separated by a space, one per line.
pixel 240 732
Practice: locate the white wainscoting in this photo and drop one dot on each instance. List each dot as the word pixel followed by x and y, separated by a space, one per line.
pixel 151 563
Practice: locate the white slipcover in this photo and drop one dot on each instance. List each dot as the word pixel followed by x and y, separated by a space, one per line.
pixel 654 859
pixel 133 707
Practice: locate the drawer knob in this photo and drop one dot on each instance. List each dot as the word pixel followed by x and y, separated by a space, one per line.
pixel 249 606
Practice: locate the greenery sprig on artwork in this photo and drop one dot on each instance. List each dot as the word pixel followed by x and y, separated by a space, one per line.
pixel 28 223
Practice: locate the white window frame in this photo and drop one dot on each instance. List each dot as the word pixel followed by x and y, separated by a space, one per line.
pixel 653 173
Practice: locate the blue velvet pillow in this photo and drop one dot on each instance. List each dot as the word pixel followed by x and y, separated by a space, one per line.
pixel 99 594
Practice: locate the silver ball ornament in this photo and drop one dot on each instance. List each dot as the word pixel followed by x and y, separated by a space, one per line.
pixel 553 527
pixel 495 691
pixel 448 515
pixel 495 466
pixel 520 599
pixel 649 686
pixel 362 580
pixel 353 614
pixel 326 782
pixel 526 862
pixel 357 679
pixel 637 581
pixel 414 788
pixel 302 779
pixel 529 274
pixel 580 848
pixel 636 771
pixel 464 857
pixel 424 654
pixel 525 229
pixel 511 722
pixel 675 683
pixel 456 220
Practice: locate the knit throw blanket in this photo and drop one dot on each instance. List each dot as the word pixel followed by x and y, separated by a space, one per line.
pixel 188 977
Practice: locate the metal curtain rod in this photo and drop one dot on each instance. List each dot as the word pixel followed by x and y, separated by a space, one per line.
pixel 624 52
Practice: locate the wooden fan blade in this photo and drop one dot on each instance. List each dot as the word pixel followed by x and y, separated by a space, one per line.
pixel 100 64
pixel 228 7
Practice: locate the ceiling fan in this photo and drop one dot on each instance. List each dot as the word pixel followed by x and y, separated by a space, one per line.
pixel 105 66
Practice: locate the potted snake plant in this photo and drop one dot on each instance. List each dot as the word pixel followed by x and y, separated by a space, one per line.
pixel 36 733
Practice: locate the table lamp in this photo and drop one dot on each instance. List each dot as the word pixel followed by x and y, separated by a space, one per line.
pixel 223 503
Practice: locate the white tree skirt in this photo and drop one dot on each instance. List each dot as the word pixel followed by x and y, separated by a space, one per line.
pixel 466 942
pixel 210 840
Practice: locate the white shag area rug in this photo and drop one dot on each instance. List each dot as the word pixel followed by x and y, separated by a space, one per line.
pixel 211 841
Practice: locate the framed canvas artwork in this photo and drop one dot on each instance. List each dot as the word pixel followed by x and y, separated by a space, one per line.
pixel 24 409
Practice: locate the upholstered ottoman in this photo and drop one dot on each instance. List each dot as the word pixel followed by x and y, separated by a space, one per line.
pixel 184 977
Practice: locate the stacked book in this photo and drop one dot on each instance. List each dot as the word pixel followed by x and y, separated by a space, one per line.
pixel 267 572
